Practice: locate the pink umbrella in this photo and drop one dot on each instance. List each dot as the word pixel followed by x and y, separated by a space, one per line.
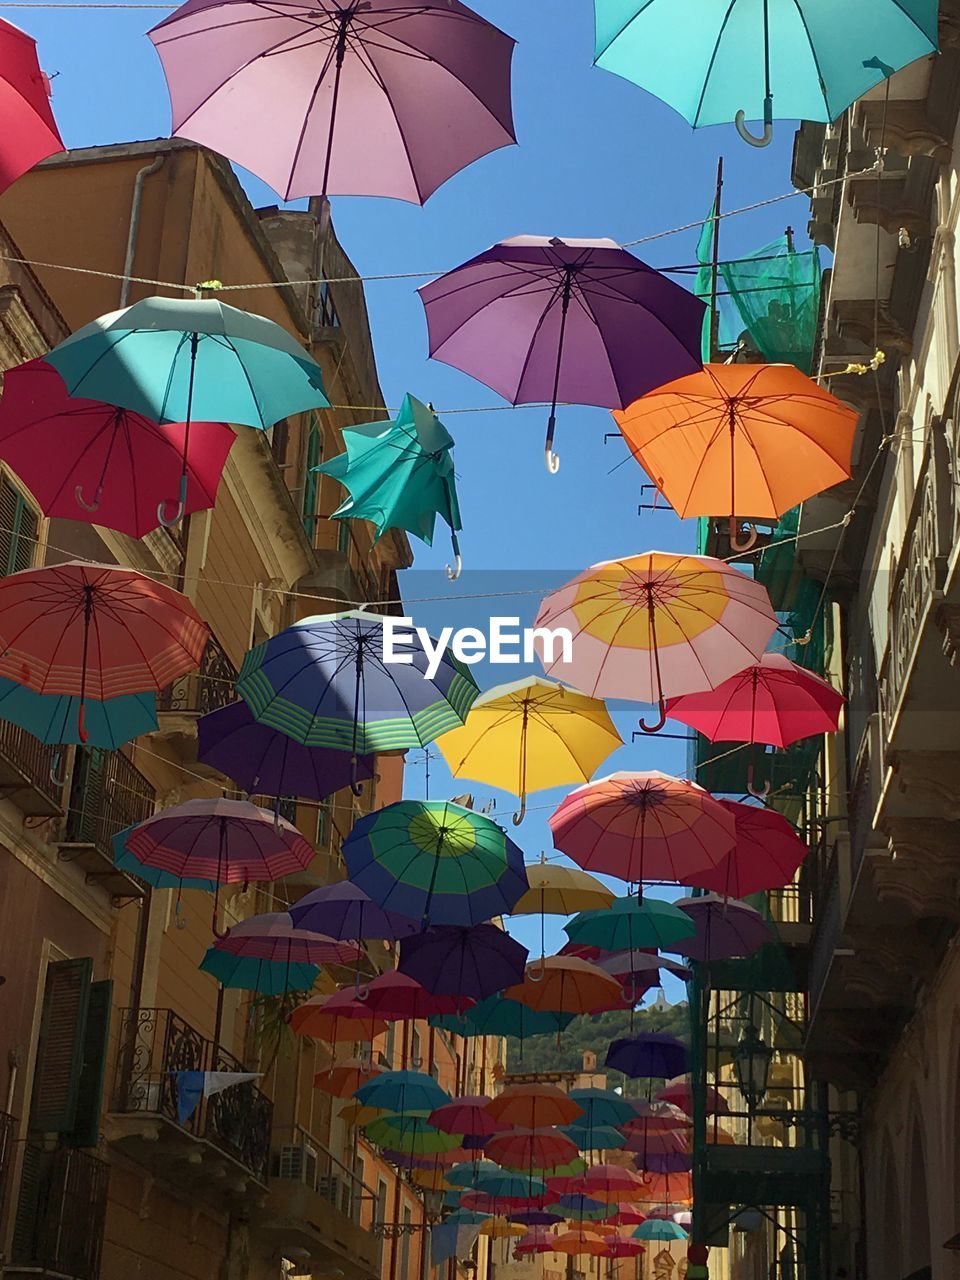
pixel 767 854
pixel 29 129
pixel 623 1246
pixel 627 966
pixel 339 97
pixel 678 1092
pixel 398 998
pixel 467 1115
pixel 274 937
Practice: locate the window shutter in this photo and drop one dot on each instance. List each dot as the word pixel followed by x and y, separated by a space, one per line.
pixel 25 547
pixel 28 1217
pixel 8 522
pixel 56 1079
pixel 19 525
pixel 311 481
pixel 86 1128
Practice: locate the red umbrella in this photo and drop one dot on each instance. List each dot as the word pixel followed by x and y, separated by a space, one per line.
pixel 483 1202
pixel 656 1117
pixel 347 1020
pixel 467 1115
pixel 95 631
pixel 629 1216
pixel 624 1246
pixel 84 460
pixel 610 1183
pixel 273 937
pixel 530 1149
pixel 342 1079
pixel 539 1240
pixel 679 1093
pixel 398 998
pixel 29 129
pixel 767 854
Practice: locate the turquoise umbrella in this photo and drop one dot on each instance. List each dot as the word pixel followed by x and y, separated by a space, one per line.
pixel 191 360
pixel 631 924
pixel 498 1016
pixel 595 1137
pixel 267 977
pixel 123 860
pixel 403 1092
pixel 660 1229
pixel 602 1107
pixel 502 1185
pixel 55 719
pixel 742 59
pixel 466 1175
pixel 399 475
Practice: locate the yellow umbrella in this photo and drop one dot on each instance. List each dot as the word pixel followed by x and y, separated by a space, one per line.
pixel 430 1179
pixel 560 891
pixel 357 1114
pixel 530 735
pixel 501 1229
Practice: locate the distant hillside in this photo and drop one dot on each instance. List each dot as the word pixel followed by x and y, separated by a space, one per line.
pixel 541 1053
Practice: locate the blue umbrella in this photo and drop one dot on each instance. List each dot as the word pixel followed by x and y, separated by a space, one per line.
pixel 783 59
pixel 191 360
pixel 402 1092
pixel 328 682
pixel 651 1054
pixel 660 1229
pixel 247 973
pixel 602 1107
pixel 153 876
pixel 54 718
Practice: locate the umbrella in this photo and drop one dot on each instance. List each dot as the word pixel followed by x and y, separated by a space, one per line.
pixel 341 1080
pixel 534 1106
pixel 476 961
pixel 497 1016
pixel 562 1179
pixel 501 1229
pixel 580 1243
pixel 273 936
pixel 536 1218
pixel 530 735
pixel 660 1229
pixel 556 890
pixel 603 1107
pixel 665 1161
pixel 91 461
pixel 642 826
pixel 650 1054
pixel 318 97
pixel 30 131
pixel 355 1115
pixel 152 876
pixel 403 1092
pixel 95 632
pixel 467 1116
pixel 399 475
pixel 767 854
pixel 348 1021
pixel 594 1137
pixel 248 973
pixel 400 998
pixel 261 759
pixel 657 1118
pixel 327 682
pixel 184 359
pixel 679 1094
pixel 714 66
pixel 725 928
pixel 539 1240
pixel 410 1134
pixel 342 910
pixel 564 984
pixel 610 1184
pixel 560 320
pixel 617 1247
pixel 741 439
pixel 631 923
pixel 530 1148
pixel 628 1215
pixel 628 966
pixel 667 1188
pixel 429 1179
pixel 584 1208
pixel 653 626
pixel 54 718
pixel 435 861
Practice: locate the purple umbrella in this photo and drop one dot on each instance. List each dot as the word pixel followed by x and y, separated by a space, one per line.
pixel 259 758
pixel 477 961
pixel 582 321
pixel 342 97
pixel 640 964
pixel 650 1054
pixel 726 928
pixel 535 1217
pixel 665 1162
pixel 344 911
pixel 274 937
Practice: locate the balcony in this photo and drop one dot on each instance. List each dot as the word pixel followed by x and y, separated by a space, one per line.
pixel 58 1229
pixel 27 771
pixel 223 1145
pixel 208 688
pixel 107 794
pixel 314 1208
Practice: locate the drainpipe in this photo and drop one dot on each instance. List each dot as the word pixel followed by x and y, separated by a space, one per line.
pixel 135 204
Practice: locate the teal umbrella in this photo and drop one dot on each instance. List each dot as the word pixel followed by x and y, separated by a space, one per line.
pixel 466 1175
pixel 498 1016
pixel 399 475
pixel 743 59
pixel 595 1137
pixel 191 360
pixel 660 1229
pixel 602 1107
pixel 402 1092
pixel 267 977
pixel 631 924
pixel 502 1185
pixel 55 718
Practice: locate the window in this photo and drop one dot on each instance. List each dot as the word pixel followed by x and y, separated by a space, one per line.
pixel 380 1217
pixel 343 537
pixel 279 439
pixel 405 1244
pixel 390 1047
pixel 311 481
pixel 19 525
pixel 416 1045
pixel 325 313
pixel 323 815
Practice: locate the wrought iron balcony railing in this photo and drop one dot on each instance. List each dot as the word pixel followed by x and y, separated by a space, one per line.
pixel 209 687
pixel 58 1229
pixel 28 772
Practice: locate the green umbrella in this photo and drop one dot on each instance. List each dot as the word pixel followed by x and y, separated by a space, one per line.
pixel 412 1135
pixel 498 1016
pixel 595 1137
pixel 248 973
pixel 399 475
pixel 631 924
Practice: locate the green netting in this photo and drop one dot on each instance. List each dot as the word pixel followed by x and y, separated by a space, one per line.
pixel 772 295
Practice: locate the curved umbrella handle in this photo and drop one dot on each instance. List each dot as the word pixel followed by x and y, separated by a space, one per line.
pixel 54 765
pixel 655 728
pixel 82 502
pixel 537 977
pixel 181 506
pixel 748 541
pixel 740 120
pixel 758 793
pixel 551 460
pixel 454 573
pixel 519 817
pixel 355 786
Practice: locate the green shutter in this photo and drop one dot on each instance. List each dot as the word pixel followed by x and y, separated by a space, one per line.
pixel 56 1079
pixel 19 525
pixel 311 481
pixel 343 536
pixel 86 1129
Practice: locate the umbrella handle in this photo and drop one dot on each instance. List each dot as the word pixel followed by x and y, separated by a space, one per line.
pixel 57 781
pixel 82 502
pixel 747 542
pixel 758 793
pixel 519 817
pixel 537 977
pixel 767 136
pixel 662 720
pixel 454 573
pixel 181 502
pixel 552 460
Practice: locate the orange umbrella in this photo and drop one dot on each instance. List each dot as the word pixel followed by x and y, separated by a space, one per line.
pixel 740 439
pixel 350 1020
pixel 534 1106
pixel 666 1188
pixel 609 1183
pixel 577 1243
pixel 566 984
pixel 341 1079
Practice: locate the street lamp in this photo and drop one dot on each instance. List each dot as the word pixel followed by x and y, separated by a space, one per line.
pixel 751 1061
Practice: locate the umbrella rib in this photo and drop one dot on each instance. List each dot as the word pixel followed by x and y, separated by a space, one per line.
pixel 713 59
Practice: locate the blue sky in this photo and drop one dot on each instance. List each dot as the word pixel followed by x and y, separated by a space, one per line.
pixel 597 157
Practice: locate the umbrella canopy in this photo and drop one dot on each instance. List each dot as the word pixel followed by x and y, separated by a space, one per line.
pixel 593 1137
pixel 603 1107
pixel 537 1218
pixel 326 682
pixel 466 1115
pixel 95 631
pixel 342 1079
pixel 466 1175
pixel 651 1054
pixel 153 876
pixel 530 1148
pixel 748 440
pixel 629 966
pixel 475 961
pixel 435 861
pixel 498 1184
pixel 564 984
pixel 534 1106
pixel 680 1095
pixel 30 133
pixel 400 998
pixel 660 1229
pixel 724 928
pixel 342 910
pixel 348 1021
pixel 628 1215
pixel 617 1247
pixel 630 923
pixel 110 466
pixel 579 321
pixel 661 1117
pixel 667 1188
pixel 580 1244
pixel 410 1134
pixel 497 1016
pixel 584 1208
pixel 248 973
pixel 501 1229
pixel 653 626
pixel 259 758
pixel 530 735
pixel 610 1184
pixel 55 718
pixel 556 890
pixel 643 826
pixel 665 1161
pixel 767 855
pixel 539 1240
pixel 355 1115
pixel 381 98
pixel 273 936
pixel 800 61
pixel 399 474
pixel 402 1092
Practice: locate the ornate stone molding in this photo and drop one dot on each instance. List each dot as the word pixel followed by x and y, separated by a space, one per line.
pixel 861 320
pixel 931 779
pixel 889 203
pixel 902 125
